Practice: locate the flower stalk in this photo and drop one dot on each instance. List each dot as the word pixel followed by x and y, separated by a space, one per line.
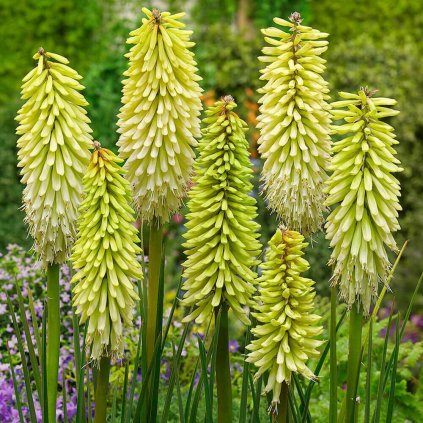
pixel 360 227
pixel 221 238
pixel 153 298
pixel 53 337
pixel 223 373
pixel 333 402
pixel 354 362
pixel 365 192
pixel 158 124
pixel 102 389
pixel 282 412
pixel 155 253
pixel 53 152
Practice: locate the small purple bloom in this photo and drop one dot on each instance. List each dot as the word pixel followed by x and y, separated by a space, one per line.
pixel 233 346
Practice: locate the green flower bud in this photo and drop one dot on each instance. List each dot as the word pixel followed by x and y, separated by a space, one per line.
pixel 221 240
pixel 53 152
pixel 160 114
pixel 284 336
pixel 294 124
pixel 105 254
pixel 367 194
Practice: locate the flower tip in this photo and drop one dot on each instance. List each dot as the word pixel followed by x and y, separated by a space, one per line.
pixel 156 15
pixel 96 145
pixel 295 18
pixel 228 98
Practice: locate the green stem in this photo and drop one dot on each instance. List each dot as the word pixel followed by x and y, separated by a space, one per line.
pixel 102 391
pixel 354 357
pixel 223 374
pixel 282 414
pixel 154 262
pixel 53 338
pixel 333 404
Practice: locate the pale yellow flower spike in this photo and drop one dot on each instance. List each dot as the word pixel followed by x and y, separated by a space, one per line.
pixel 159 119
pixel 294 124
pixel 284 337
pixel 366 194
pixel 222 237
pixel 53 152
pixel 105 254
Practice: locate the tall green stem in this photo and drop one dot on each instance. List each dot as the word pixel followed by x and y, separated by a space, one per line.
pixel 53 338
pixel 282 415
pixel 223 374
pixel 354 357
pixel 102 390
pixel 154 262
pixel 333 404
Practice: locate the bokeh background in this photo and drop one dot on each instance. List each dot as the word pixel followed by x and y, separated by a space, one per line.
pixel 375 43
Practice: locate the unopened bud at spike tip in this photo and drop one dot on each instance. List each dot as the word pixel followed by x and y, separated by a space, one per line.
pixel 295 17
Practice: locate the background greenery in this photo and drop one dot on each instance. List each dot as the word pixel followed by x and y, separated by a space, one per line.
pixel 376 44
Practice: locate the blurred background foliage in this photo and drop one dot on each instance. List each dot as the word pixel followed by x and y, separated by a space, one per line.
pixel 375 44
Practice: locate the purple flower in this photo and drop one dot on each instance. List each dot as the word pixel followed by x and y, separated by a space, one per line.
pixel 417 320
pixel 233 346
pixel 199 335
pixel 411 336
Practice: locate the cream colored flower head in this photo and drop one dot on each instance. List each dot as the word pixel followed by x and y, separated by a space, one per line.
pixel 365 194
pixel 222 238
pixel 284 338
pixel 53 152
pixel 294 124
pixel 159 119
pixel 105 255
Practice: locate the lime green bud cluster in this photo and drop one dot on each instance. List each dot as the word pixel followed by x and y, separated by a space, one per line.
pixel 221 240
pixel 294 124
pixel 284 336
pixel 367 194
pixel 159 119
pixel 53 152
pixel 105 252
